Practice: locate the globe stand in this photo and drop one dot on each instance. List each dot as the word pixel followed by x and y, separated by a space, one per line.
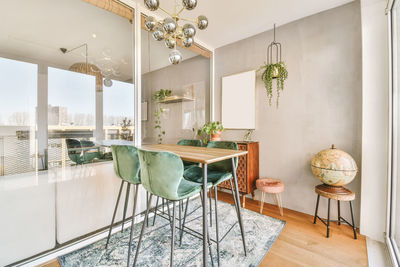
pixel 334 189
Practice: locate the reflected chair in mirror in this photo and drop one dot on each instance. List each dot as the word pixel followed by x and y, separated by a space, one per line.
pixel 216 174
pixel 162 176
pixel 92 152
pixel 127 167
pixel 74 148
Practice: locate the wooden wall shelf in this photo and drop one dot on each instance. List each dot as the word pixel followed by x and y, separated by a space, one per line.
pixel 175 99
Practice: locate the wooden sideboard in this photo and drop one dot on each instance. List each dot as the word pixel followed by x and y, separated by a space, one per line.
pixel 248 169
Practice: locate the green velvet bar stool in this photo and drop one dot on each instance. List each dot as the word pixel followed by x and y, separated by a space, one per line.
pixel 162 176
pixel 216 174
pixel 74 149
pixel 190 142
pixel 127 167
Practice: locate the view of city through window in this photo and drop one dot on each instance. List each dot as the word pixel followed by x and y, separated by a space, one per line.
pixel 18 99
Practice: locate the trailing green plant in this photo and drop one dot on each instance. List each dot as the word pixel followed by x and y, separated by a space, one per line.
pixel 157 124
pixel 274 71
pixel 208 129
pixel 161 94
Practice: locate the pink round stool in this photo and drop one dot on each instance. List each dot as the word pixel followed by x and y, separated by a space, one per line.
pixel 271 186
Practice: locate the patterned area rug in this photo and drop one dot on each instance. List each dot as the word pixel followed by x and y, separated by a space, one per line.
pixel 260 232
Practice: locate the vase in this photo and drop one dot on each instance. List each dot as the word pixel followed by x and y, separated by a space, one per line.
pixel 275 72
pixel 216 136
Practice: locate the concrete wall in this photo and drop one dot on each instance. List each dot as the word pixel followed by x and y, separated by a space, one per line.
pixel 321 104
pixel 194 71
pixel 375 121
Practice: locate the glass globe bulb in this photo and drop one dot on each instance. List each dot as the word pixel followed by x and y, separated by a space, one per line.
pixel 175 57
pixel 107 82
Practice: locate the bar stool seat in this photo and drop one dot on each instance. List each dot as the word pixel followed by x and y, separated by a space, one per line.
pixel 344 195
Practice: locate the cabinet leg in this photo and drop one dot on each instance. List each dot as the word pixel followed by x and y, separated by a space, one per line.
pixel 244 201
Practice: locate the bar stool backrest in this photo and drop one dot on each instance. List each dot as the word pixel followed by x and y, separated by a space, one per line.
pixel 161 173
pixel 224 165
pixel 190 142
pixel 126 163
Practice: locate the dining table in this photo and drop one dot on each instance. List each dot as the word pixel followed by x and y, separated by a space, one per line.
pixel 204 156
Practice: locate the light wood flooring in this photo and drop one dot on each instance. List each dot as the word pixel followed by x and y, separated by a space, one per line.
pixel 303 243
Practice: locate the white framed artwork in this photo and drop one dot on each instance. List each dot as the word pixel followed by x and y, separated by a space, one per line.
pixel 238 100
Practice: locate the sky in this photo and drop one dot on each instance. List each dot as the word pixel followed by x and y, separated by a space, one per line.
pixel 76 91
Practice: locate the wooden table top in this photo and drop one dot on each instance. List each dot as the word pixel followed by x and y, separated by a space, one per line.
pixel 203 155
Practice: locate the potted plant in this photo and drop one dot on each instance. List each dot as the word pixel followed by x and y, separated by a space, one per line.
pixel 157 97
pixel 270 72
pixel 161 94
pixel 213 129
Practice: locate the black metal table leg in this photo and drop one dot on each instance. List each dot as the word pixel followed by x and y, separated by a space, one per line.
pixel 329 217
pixel 338 210
pixel 316 209
pixel 352 220
pixel 209 192
pixel 205 223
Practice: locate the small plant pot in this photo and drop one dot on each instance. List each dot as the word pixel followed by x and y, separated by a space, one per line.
pixel 275 73
pixel 216 136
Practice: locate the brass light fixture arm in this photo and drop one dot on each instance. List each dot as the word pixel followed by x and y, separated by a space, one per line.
pixel 165 11
pixel 65 51
pixel 189 20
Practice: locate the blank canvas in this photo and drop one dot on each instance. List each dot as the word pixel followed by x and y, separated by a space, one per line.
pixel 238 100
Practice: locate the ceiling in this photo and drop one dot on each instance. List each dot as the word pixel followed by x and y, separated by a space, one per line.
pixel 36 30
pixel 233 20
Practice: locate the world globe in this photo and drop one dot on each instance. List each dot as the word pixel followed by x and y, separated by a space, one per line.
pixel 334 167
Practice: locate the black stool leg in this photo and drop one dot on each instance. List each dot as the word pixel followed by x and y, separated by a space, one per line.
pixel 180 214
pixel 352 220
pixel 316 210
pixel 115 211
pixel 147 220
pixel 155 211
pixel 338 210
pixel 329 217
pixel 184 220
pixel 208 235
pixel 135 195
pixel 128 189
pixel 142 231
pixel 216 220
pixel 171 259
pixel 238 205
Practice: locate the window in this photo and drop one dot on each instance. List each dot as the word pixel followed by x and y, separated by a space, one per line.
pixel 71 111
pixel 18 101
pixel 118 110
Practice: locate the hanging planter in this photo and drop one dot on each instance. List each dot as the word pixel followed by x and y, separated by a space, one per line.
pixel 274 70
